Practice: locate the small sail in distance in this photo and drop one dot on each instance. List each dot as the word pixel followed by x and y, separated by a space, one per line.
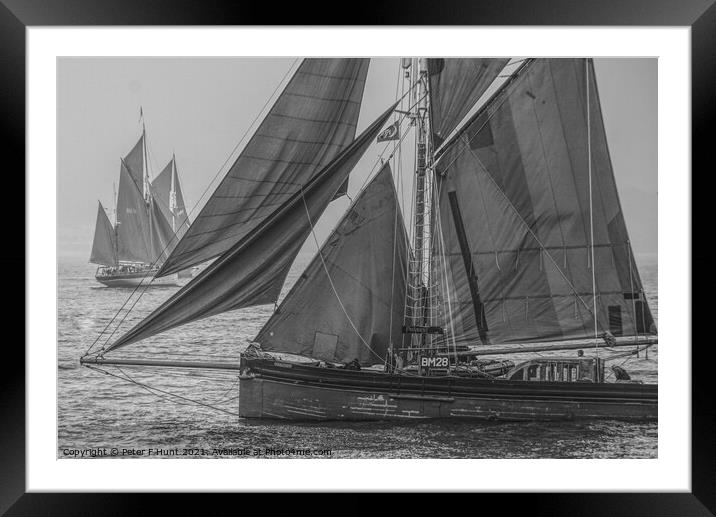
pixel 167 190
pixel 104 245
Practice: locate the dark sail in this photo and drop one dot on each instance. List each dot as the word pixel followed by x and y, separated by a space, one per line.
pixel 349 302
pixel 514 209
pixel 166 189
pixel 133 230
pixel 312 121
pixel 253 271
pixel 135 162
pixel 104 244
pixel 455 86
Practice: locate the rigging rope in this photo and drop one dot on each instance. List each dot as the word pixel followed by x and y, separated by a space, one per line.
pixel 320 254
pixel 330 280
pixel 150 389
pixel 526 225
pixel 591 211
pixel 141 282
pixel 145 285
pixel 501 95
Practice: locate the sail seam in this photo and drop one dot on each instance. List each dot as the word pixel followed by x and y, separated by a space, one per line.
pixel 228 158
pixel 325 76
pixel 322 143
pixel 315 120
pixel 320 98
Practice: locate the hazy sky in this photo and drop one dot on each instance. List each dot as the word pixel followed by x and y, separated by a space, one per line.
pixel 200 108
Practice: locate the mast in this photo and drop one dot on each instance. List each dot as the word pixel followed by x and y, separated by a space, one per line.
pixel 116 224
pixel 145 181
pixel 421 295
pixel 145 161
pixel 173 193
pixel 591 210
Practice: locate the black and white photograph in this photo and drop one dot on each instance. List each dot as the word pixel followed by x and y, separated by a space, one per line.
pixel 416 247
pixel 432 253
pixel 357 257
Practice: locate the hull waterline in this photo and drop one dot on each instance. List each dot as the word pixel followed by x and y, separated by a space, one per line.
pixel 135 279
pixel 271 389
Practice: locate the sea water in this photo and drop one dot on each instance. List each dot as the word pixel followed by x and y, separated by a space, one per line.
pixel 173 412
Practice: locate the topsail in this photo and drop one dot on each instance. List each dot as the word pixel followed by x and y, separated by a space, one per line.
pixel 455 86
pixel 514 197
pixel 135 162
pixel 312 121
pixel 133 225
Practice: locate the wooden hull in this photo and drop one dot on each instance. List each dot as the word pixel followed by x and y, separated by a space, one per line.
pixel 134 279
pixel 281 390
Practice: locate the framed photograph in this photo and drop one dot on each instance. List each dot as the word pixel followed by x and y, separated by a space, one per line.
pixel 429 251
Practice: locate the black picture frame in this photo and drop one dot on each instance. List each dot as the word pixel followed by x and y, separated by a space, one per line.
pixel 17 15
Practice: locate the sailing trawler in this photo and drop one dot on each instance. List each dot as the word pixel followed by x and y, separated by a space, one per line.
pixel 517 237
pixel 150 217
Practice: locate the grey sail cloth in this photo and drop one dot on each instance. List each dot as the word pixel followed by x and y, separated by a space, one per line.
pixel 312 121
pixel 133 230
pixel 163 187
pixel 135 162
pixel 455 86
pixel 349 303
pixel 104 244
pixel 162 236
pixel 517 181
pixel 253 271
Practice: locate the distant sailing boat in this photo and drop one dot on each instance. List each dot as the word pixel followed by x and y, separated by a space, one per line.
pixel 518 237
pixel 150 218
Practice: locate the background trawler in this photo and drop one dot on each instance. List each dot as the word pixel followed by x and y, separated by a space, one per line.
pixel 150 218
pixel 517 237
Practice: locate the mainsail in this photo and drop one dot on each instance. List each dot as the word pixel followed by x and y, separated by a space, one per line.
pixel 166 189
pixel 455 86
pixel 252 272
pixel 133 228
pixel 312 121
pixel 349 302
pixel 143 233
pixel 514 211
pixel 135 162
pixel 104 245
